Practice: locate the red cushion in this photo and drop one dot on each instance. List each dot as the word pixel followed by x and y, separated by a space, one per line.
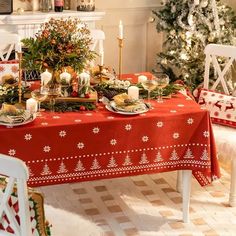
pixel 222 107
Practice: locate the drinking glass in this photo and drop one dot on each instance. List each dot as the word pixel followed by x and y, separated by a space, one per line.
pixel 39 97
pixel 53 92
pixel 149 85
pixel 162 82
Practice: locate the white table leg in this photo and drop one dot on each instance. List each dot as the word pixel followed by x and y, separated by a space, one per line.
pixel 186 181
pixel 232 194
pixel 179 181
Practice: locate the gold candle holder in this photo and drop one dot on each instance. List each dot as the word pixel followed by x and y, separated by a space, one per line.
pixel 19 55
pixel 100 72
pixel 121 44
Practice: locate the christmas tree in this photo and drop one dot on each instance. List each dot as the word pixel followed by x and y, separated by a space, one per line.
pixel 189 25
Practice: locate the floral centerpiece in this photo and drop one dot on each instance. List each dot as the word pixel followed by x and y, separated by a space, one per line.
pixel 58 44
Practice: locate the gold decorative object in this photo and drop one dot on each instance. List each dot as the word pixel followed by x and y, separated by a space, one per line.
pixel 121 44
pixel 19 55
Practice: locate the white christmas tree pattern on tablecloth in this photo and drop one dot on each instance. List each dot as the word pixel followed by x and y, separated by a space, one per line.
pixel 62 168
pixel 158 157
pixel 95 165
pixel 144 159
pixel 204 156
pixel 127 161
pixel 188 154
pixel 174 156
pixel 46 170
pixel 112 163
pixel 79 166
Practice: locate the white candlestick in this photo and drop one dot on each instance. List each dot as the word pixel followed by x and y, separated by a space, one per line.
pixel 65 76
pixel 102 58
pixel 31 105
pixel 121 30
pixel 133 92
pixel 142 78
pixel 45 77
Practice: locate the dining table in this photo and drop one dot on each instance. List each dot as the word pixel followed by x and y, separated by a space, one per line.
pixel 91 145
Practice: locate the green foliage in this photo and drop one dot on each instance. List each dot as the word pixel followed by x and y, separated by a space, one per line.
pixel 188 28
pixel 59 43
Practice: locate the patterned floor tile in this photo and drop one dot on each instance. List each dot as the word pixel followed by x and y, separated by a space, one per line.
pixel 145 205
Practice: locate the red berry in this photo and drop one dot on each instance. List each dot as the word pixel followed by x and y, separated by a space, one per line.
pixel 87 95
pixel 74 94
pixel 82 108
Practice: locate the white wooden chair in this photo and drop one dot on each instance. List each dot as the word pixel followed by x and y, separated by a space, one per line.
pixel 225 137
pixel 8 43
pixel 17 174
pixel 98 37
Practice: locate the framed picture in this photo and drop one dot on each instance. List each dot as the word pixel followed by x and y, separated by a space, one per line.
pixel 6 7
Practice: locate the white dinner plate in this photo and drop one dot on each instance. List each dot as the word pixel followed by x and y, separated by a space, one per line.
pixel 114 110
pixel 10 125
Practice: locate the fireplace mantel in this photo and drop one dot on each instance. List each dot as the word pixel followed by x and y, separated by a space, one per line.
pixel 27 23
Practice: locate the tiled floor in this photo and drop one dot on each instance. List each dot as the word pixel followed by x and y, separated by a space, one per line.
pixel 143 205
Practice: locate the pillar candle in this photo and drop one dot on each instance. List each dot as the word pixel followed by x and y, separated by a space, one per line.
pixel 45 77
pixel 121 30
pixel 102 58
pixel 65 76
pixel 31 105
pixel 133 92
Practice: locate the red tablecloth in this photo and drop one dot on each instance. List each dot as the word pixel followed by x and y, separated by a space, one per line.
pixel 72 147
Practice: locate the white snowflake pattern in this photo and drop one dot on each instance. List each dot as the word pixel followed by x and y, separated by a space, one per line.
pixel 56 117
pixel 180 105
pixel 12 152
pixel 145 138
pixel 110 117
pixel 206 134
pixel 46 148
pixel 175 135
pixel 80 145
pixel 128 127
pixel 113 142
pixel 28 137
pixel 78 121
pixel 96 130
pixel 160 124
pixel 190 121
pixel 62 133
pixel 44 123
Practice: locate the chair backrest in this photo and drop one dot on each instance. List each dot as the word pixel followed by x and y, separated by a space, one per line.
pixel 98 37
pixel 8 43
pixel 17 174
pixel 213 51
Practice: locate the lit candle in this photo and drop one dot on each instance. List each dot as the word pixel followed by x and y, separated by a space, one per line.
pixel 133 92
pixel 142 78
pixel 31 105
pixel 121 29
pixel 45 77
pixel 18 48
pixel 65 76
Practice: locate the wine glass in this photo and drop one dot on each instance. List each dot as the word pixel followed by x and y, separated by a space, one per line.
pixel 39 97
pixel 162 82
pixel 53 92
pixel 149 85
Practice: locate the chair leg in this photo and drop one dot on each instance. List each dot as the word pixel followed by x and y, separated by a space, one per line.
pixel 186 181
pixel 179 181
pixel 232 194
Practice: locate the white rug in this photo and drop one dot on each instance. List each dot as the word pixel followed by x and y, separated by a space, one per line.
pixel 65 223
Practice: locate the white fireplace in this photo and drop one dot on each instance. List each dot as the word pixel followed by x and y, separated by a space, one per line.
pixel 28 23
